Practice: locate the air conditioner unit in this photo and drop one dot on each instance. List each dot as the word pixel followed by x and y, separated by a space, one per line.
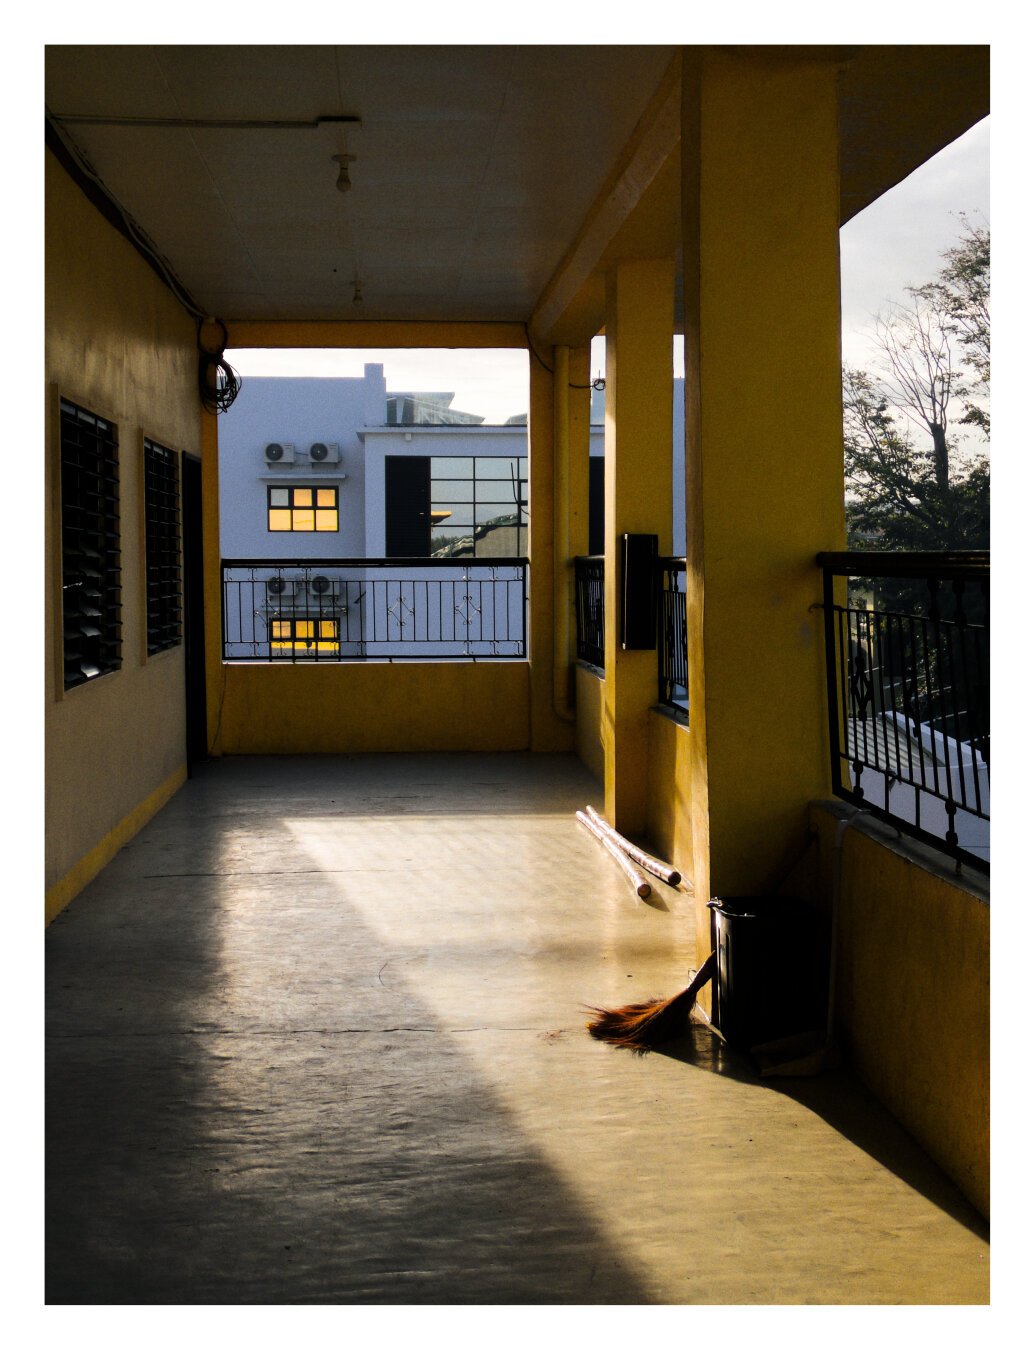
pixel 324 588
pixel 278 452
pixel 285 590
pixel 325 452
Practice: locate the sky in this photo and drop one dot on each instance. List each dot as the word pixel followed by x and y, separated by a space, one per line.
pixel 896 242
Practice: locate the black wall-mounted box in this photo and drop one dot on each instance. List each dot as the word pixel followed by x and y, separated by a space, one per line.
pixel 639 565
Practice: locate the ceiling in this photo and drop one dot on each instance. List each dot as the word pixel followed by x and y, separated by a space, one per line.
pixel 457 209
pixel 475 168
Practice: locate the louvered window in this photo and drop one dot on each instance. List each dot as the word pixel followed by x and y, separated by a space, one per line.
pixel 162 509
pixel 90 570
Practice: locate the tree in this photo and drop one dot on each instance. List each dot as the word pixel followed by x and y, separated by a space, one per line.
pixel 932 377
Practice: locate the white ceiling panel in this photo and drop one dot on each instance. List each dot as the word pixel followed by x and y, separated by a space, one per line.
pixel 475 167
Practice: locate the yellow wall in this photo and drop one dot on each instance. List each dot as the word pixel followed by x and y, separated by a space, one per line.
pixel 913 992
pixel 372 706
pixel 668 791
pixel 589 719
pixel 119 344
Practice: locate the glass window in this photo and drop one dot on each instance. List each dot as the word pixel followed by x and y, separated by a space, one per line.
pixel 292 508
pixel 478 506
pixel 452 489
pixel 498 491
pixel 299 637
pixel 496 467
pixel 444 467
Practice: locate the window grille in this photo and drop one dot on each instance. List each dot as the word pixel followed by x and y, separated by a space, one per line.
pixel 162 514
pixel 90 568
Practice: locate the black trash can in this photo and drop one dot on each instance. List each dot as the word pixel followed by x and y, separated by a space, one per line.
pixel 772 976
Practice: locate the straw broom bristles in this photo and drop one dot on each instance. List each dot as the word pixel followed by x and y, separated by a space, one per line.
pixel 642 1026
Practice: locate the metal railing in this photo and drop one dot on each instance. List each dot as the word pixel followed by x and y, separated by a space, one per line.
pixel 907 649
pixel 671 632
pixel 589 610
pixel 672 654
pixel 383 609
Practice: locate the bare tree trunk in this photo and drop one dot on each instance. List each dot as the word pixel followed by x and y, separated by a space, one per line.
pixel 941 456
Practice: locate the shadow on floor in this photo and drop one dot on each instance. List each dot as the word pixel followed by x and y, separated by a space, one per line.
pixel 838 1097
pixel 232 1119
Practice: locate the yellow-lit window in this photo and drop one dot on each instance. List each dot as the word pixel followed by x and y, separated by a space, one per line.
pixel 302 509
pixel 305 637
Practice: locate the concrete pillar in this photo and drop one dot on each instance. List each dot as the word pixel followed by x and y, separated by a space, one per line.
pixel 637 500
pixel 570 509
pixel 763 448
pixel 548 731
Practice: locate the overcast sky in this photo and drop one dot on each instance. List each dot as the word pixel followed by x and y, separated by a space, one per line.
pixel 894 243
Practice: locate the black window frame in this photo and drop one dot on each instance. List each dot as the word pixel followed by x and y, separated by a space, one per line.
pixel 292 488
pixel 91 568
pixel 162 548
pixel 294 619
pixel 476 530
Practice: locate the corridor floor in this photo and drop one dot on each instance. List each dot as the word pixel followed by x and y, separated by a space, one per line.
pixel 317 1036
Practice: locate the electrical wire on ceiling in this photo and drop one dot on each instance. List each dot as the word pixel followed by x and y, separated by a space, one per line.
pixel 598 383
pixel 348 252
pixel 218 382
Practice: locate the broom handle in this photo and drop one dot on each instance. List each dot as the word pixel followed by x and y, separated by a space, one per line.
pixel 647 861
pixel 640 883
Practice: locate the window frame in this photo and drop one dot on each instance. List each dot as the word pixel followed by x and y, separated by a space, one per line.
pixel 90 537
pixel 293 644
pixel 163 545
pixel 438 499
pixel 291 508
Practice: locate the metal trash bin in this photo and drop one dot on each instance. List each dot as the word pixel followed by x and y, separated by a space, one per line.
pixel 771 968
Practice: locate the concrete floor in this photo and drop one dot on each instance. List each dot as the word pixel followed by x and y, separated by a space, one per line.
pixel 316 1036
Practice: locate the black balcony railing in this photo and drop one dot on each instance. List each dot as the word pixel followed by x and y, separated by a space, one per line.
pixel 671 633
pixel 907 643
pixel 672 655
pixel 589 610
pixel 384 609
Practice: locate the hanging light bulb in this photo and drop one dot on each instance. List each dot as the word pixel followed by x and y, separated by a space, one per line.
pixel 344 181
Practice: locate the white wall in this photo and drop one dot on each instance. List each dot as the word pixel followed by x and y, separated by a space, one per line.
pixel 299 411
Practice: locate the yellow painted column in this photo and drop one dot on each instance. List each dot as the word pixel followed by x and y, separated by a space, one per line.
pixel 215 671
pixel 547 730
pixel 637 500
pixel 763 450
pixel 570 510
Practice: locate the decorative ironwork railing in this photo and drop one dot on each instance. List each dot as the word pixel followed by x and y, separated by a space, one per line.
pixel 672 654
pixel 589 610
pixel 383 609
pixel 907 648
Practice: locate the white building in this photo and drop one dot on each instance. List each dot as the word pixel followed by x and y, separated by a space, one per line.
pixel 324 480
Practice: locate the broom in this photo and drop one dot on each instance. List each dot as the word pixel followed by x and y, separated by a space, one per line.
pixel 642 1026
